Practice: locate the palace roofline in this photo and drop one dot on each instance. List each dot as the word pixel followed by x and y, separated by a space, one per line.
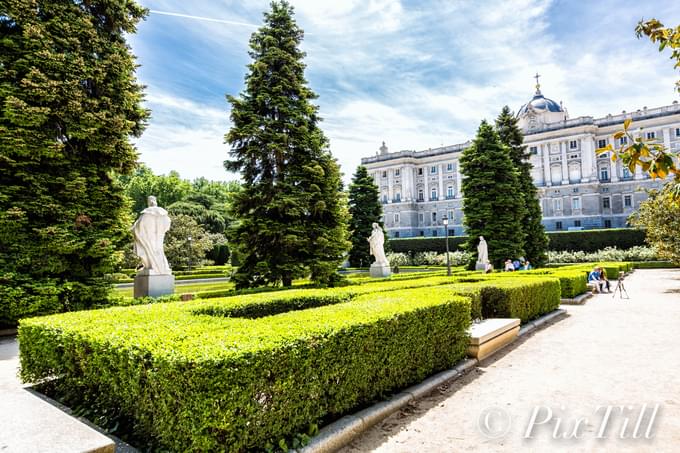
pixel 608 120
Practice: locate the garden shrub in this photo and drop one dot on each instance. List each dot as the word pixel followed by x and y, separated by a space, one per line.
pixel 193 382
pixel 653 265
pixel 586 240
pixel 526 298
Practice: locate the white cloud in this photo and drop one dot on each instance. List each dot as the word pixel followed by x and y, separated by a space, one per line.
pixel 414 75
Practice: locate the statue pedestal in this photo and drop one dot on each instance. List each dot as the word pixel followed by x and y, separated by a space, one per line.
pixel 480 266
pixel 379 271
pixel 154 285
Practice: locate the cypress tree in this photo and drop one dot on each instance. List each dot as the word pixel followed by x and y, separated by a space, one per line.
pixel 490 197
pixel 535 241
pixel 364 209
pixel 291 211
pixel 69 102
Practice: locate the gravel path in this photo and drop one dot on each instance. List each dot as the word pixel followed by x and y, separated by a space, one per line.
pixel 607 353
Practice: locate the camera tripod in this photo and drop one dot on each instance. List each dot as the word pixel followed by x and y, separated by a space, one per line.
pixel 621 289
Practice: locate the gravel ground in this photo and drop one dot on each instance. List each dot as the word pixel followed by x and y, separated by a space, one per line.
pixel 610 355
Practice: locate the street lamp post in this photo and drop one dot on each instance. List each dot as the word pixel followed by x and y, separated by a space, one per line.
pixel 445 221
pixel 189 239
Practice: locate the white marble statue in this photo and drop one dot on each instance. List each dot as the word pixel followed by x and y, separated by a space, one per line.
pixel 377 243
pixel 482 251
pixel 149 231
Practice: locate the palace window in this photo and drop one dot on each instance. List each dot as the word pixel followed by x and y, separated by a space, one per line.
pixel 606 203
pixel 449 192
pixel 576 203
pixel 577 223
pixel 627 201
pixel 626 173
pixel 449 167
pixel 397 172
pixel 677 131
pixel 450 214
pixel 396 219
pixel 434 217
pixel 384 174
pixel 384 198
pixel 573 156
pixel 607 223
pixel 558 225
pixel 533 150
pixel 573 144
pixel 397 197
pixel 396 234
pixel 604 174
pixel 651 135
pixel 434 233
pixel 421 217
pixel 433 169
pixel 421 233
pixel 421 197
pixel 601 143
pixel 557 204
pixel 623 140
pixel 433 194
pixel 420 172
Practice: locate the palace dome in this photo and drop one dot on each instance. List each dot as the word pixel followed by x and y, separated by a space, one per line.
pixel 540 104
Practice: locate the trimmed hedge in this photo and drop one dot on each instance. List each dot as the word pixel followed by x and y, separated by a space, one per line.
pixel 197 382
pixel 586 240
pixel 653 265
pixel 526 298
pixel 594 240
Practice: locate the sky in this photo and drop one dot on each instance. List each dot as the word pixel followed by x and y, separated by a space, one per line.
pixel 415 74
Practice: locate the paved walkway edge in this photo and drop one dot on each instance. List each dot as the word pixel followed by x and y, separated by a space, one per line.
pixel 339 433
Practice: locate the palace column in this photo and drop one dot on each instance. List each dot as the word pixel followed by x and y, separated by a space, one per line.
pixel 545 154
pixel 390 185
pixel 587 158
pixel 440 171
pixel 459 180
pixel 565 167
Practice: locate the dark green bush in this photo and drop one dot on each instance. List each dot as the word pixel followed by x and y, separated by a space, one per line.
pixel 219 254
pixel 193 382
pixel 594 240
pixel 587 241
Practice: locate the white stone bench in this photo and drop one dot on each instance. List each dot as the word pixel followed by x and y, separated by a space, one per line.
pixel 489 335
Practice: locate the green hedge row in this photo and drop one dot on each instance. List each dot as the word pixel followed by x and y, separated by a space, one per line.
pixel 587 241
pixel 653 265
pixel 197 382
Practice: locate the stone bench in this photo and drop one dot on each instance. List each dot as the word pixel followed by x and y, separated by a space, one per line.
pixel 490 335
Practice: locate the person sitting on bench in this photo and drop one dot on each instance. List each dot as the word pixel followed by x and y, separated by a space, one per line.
pixel 594 280
pixel 603 279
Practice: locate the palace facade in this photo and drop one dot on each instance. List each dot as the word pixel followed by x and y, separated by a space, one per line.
pixel 578 189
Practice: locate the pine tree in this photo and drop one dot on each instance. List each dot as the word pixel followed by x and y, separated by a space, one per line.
pixel 491 202
pixel 365 209
pixel 291 211
pixel 69 102
pixel 535 241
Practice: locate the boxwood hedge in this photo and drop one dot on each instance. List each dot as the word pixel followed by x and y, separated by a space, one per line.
pixel 191 381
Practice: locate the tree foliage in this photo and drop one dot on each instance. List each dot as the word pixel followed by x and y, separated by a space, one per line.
pixel 491 203
pixel 292 214
pixel 660 216
pixel 69 102
pixel 653 158
pixel 182 252
pixel 364 209
pixel 534 239
pixel 167 189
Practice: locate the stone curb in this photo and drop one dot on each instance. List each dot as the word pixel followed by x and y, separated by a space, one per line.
pixel 8 332
pixel 578 300
pixel 338 434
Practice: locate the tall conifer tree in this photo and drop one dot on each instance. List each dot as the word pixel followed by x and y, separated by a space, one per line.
pixel 365 209
pixel 535 241
pixel 490 201
pixel 292 211
pixel 69 102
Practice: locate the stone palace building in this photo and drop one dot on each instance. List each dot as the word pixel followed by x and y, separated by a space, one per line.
pixel 578 189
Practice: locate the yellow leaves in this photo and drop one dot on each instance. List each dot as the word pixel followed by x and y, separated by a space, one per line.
pixel 627 123
pixel 604 149
pixel 620 134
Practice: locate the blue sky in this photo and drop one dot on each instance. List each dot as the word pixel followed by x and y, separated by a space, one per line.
pixel 416 74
